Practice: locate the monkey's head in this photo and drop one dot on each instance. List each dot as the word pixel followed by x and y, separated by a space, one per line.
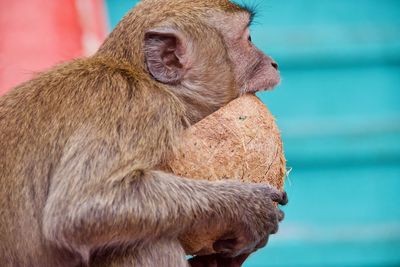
pixel 201 50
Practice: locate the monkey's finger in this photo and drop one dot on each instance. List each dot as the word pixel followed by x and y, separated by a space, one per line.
pixel 280 215
pixel 280 197
pixel 274 227
pixel 225 246
pixel 263 243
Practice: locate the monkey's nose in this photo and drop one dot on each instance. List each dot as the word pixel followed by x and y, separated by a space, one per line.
pixel 274 65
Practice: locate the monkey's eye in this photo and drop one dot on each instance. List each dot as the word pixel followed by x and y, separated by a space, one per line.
pixel 247 35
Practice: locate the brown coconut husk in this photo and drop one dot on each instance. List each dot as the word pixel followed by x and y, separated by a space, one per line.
pixel 241 141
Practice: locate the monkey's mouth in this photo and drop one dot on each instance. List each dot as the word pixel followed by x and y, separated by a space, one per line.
pixel 261 85
pixel 263 78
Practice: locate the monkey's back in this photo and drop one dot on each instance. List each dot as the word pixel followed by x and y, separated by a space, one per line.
pixel 30 145
pixel 36 120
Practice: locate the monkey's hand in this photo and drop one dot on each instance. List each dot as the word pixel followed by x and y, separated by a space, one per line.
pixel 137 206
pixel 257 217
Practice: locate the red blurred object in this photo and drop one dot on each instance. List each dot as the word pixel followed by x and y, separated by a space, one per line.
pixel 36 34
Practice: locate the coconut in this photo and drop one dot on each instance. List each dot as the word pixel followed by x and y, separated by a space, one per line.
pixel 240 141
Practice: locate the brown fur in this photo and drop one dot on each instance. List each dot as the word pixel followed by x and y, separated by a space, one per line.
pixel 80 145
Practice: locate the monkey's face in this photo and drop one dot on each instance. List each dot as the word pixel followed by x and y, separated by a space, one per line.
pixel 209 60
pixel 254 71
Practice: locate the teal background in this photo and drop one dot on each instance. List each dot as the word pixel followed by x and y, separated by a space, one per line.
pixel 339 111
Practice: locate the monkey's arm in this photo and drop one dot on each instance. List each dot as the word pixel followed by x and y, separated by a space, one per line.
pixel 133 206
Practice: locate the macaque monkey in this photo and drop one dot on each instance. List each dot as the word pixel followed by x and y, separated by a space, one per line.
pixel 80 145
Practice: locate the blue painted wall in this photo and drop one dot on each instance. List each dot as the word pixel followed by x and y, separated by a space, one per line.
pixel 339 111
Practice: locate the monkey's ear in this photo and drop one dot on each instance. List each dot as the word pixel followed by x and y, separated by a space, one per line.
pixel 165 52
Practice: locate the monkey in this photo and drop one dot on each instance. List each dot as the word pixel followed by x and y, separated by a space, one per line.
pixel 81 145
